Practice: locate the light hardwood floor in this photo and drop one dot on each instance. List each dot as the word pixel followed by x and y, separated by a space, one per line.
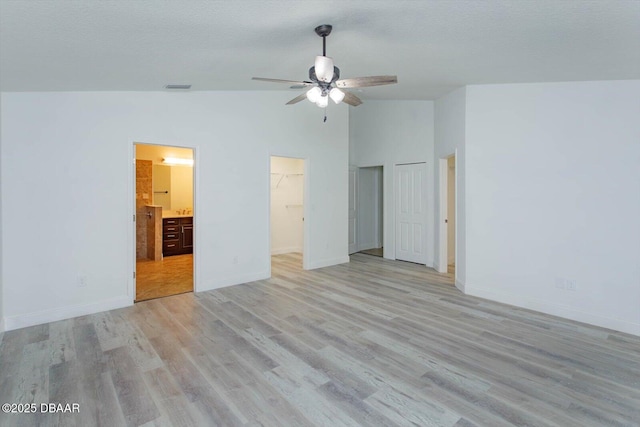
pixel 171 275
pixel 372 342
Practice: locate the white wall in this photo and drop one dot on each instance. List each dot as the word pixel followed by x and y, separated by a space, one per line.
pixel 78 221
pixel 369 210
pixel 386 133
pixel 450 123
pixel 161 181
pixel 1 244
pixel 181 188
pixel 553 193
pixel 287 207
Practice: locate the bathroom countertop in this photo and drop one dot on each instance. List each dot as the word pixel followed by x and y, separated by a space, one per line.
pixel 172 214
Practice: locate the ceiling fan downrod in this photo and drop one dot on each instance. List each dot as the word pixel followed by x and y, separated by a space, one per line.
pixel 323 31
pixel 324 70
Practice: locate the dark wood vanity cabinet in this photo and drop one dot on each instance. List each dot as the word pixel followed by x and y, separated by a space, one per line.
pixel 177 236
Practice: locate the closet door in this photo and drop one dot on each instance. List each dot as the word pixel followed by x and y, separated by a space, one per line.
pixel 411 207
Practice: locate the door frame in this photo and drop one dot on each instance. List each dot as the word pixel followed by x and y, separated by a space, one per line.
pixel 305 207
pixel 131 283
pixel 443 241
pixel 355 189
pixel 379 202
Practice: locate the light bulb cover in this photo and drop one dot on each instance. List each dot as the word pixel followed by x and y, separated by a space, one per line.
pixel 336 95
pixel 324 68
pixel 314 93
pixel 323 101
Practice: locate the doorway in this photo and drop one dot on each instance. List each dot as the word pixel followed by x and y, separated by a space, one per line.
pixel 287 213
pixel 447 249
pixel 369 233
pixel 411 217
pixel 164 221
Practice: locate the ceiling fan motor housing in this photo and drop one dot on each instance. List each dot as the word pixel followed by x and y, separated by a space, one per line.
pixel 314 78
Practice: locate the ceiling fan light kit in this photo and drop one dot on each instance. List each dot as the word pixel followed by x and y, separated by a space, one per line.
pixel 324 79
pixel 337 95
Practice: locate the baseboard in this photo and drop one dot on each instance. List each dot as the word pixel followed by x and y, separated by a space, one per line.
pixel 327 262
pixel 460 286
pixel 62 313
pixel 440 270
pixel 1 325
pixel 431 263
pixel 232 280
pixel 553 309
pixel 281 251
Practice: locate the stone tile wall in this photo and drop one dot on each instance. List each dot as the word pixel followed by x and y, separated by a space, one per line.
pixel 144 196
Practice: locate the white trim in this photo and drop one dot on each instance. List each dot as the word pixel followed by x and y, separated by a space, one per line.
pixel 61 313
pixel 329 262
pixel 443 235
pixel 456 212
pixel 234 280
pixel 560 310
pixel 280 251
pixel 378 202
pixel 132 249
pixel 355 188
pixel 461 286
pixel 307 215
pixel 1 325
pixel 196 218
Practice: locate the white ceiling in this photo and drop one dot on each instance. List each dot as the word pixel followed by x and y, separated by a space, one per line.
pixel 432 46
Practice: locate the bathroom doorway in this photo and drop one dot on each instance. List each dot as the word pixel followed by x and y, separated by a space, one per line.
pixel 164 221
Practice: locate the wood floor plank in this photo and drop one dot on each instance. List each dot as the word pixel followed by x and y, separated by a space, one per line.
pixel 371 342
pixel 136 403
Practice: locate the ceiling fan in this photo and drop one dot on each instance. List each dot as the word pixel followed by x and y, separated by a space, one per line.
pixel 324 80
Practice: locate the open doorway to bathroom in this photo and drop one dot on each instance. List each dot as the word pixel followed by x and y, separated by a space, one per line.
pixel 287 214
pixel 164 223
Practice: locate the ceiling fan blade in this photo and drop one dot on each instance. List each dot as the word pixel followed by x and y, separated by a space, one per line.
pixel 298 99
pixel 289 82
pixel 367 81
pixel 351 99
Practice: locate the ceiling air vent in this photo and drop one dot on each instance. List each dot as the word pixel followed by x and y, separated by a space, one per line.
pixel 183 87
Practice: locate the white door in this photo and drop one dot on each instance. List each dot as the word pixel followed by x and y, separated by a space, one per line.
pixel 353 194
pixel 411 207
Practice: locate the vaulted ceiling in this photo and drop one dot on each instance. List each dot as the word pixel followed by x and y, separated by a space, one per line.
pixel 432 46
